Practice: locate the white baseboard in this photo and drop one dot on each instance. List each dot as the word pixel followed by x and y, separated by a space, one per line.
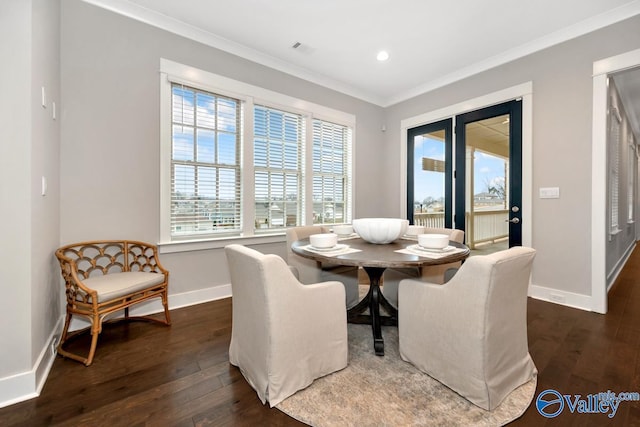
pixel 199 296
pixel 27 385
pixel 17 388
pixel 569 299
pixel 615 271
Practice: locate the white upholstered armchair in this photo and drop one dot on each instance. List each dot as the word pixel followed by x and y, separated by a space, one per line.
pixel 471 333
pixel 310 271
pixel 430 273
pixel 284 334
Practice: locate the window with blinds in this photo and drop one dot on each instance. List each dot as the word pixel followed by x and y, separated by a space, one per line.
pixel 331 173
pixel 631 174
pixel 242 162
pixel 277 159
pixel 614 171
pixel 205 162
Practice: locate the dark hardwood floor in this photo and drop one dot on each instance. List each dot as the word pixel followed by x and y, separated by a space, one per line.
pixel 148 374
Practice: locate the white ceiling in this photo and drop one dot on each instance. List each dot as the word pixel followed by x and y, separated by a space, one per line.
pixel 430 43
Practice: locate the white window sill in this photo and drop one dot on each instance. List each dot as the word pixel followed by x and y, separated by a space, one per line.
pixel 613 233
pixel 200 245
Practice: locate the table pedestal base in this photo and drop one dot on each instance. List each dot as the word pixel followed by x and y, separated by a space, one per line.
pixel 372 301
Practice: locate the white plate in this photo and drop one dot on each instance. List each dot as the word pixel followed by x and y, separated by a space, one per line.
pixel 420 248
pixel 344 236
pixel 337 247
pixel 410 236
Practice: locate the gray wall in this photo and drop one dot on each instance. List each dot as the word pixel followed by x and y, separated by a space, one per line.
pixel 101 157
pixel 562 103
pixel 29 277
pixel 46 300
pixel 110 132
pixel 15 151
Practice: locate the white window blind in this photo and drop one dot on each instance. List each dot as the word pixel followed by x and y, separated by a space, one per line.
pixel 331 173
pixel 237 162
pixel 631 173
pixel 614 171
pixel 278 147
pixel 205 163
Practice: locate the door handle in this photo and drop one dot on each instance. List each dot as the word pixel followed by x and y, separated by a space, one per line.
pixel 513 221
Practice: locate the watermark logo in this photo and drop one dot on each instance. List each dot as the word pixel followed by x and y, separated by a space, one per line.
pixel 550 403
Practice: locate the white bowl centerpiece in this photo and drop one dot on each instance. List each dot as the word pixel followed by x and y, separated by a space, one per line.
pixel 380 230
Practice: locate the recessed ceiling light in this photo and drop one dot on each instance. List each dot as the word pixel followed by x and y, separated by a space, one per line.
pixel 383 55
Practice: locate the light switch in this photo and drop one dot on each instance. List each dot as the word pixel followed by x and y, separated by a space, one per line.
pixel 44 98
pixel 44 186
pixel 549 192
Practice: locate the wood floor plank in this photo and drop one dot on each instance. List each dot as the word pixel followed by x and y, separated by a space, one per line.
pixel 152 375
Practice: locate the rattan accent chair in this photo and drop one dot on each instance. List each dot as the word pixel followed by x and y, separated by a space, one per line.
pixel 103 277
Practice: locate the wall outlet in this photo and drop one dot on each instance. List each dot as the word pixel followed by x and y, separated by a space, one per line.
pixel 54 344
pixel 557 298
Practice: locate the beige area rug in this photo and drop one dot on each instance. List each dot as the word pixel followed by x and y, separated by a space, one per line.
pixel 386 391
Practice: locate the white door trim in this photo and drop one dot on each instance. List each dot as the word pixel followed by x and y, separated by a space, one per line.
pixel 524 91
pixel 601 70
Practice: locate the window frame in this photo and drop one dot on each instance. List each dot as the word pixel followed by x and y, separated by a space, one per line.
pixel 271 171
pixel 193 160
pixel 249 95
pixel 323 175
pixel 632 172
pixel 615 135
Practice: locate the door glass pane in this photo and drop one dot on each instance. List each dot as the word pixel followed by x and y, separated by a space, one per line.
pixel 429 179
pixel 487 165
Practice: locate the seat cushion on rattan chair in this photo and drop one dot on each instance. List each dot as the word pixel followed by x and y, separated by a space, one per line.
pixel 115 285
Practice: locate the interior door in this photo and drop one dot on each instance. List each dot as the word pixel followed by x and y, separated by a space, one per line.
pixel 488 184
pixel 429 174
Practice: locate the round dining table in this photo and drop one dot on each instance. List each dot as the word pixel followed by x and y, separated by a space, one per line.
pixel 374 259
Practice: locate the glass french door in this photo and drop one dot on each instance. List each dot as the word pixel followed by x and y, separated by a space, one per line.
pixel 482 195
pixel 489 176
pixel 430 172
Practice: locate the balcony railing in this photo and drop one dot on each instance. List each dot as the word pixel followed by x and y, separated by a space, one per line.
pixel 481 226
pixel 487 226
pixel 434 220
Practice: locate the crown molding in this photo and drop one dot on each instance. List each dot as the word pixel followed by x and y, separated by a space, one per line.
pixel 584 27
pixel 164 22
pixel 147 16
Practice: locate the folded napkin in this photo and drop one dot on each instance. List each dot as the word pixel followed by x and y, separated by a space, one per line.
pixel 406 237
pixel 348 237
pixel 339 250
pixel 429 254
